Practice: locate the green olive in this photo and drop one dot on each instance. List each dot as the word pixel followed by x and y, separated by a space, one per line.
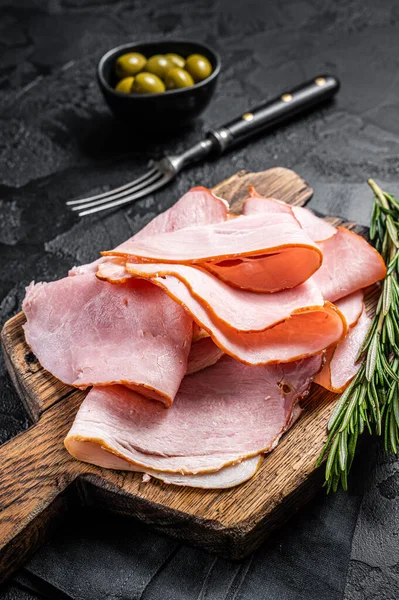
pixel 147 83
pixel 198 66
pixel 178 78
pixel 125 85
pixel 158 65
pixel 129 64
pixel 176 59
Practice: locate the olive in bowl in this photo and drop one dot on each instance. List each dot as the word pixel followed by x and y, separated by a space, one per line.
pixel 160 95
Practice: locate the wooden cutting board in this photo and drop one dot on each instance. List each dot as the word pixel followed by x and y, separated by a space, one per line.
pixel 40 481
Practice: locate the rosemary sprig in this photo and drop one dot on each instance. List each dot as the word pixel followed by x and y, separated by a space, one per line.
pixel 371 401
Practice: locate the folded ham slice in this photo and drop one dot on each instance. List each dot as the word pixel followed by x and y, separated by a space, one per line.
pixel 304 333
pixel 317 229
pixel 198 332
pixel 220 416
pixel 203 353
pixel 265 252
pixel 89 332
pixel 341 365
pixel 199 206
pixel 226 477
pixel 349 264
pixel 351 307
pixel 112 270
pixel 239 309
pixel 257 204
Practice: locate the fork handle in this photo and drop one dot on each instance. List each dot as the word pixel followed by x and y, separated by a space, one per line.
pixel 274 112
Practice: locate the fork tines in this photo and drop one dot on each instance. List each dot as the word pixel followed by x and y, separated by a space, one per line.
pixel 147 183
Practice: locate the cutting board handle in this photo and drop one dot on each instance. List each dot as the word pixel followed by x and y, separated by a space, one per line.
pixel 34 474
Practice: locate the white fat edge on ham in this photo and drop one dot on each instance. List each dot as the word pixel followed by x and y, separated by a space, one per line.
pixel 226 477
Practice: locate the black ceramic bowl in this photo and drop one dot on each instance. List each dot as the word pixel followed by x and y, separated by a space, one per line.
pixel 169 109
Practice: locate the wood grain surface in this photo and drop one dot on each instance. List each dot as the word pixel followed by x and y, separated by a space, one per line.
pixel 36 471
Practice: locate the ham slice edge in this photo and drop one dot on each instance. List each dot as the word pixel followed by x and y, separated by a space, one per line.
pixel 235 411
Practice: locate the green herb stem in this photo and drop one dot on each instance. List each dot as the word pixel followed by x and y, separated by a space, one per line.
pixel 371 401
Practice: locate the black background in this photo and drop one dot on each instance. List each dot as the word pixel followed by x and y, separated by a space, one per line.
pixel 58 140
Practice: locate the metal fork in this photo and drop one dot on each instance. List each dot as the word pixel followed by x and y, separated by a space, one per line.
pixel 260 119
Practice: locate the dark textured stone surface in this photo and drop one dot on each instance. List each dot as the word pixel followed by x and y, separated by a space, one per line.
pixel 57 140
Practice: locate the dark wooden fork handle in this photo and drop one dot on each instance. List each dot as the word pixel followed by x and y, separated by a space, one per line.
pixel 275 112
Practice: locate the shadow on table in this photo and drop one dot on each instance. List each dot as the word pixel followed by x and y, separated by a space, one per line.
pixel 98 555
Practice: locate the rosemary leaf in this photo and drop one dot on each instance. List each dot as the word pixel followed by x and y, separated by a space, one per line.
pixel 372 356
pixel 371 401
pixel 342 450
pixel 387 295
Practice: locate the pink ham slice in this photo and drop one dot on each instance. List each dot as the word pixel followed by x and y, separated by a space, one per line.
pixel 226 477
pixel 198 332
pixel 341 366
pixel 266 252
pixel 88 332
pixel 349 264
pixel 199 206
pixel 220 416
pixel 351 307
pixel 317 229
pixel 224 311
pixel 256 204
pixel 241 310
pixel 112 270
pixel 287 341
pixel 203 353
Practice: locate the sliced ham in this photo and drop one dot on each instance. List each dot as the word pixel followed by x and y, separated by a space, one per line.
pixel 265 252
pixel 88 268
pixel 89 332
pixel 112 270
pixel 341 366
pixel 303 334
pixel 203 353
pixel 220 416
pixel 257 204
pixel 317 229
pixel 239 309
pixel 349 264
pixel 351 307
pixel 199 206
pixel 198 332
pixel 226 477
